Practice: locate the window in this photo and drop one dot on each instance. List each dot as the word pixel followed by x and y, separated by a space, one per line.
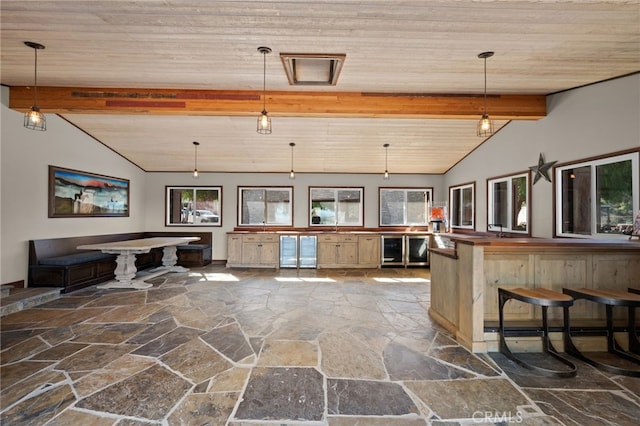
pixel 508 203
pixel 265 206
pixel 462 202
pixel 193 206
pixel 405 206
pixel 336 206
pixel 597 198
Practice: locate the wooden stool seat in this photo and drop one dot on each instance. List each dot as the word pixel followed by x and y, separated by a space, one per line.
pixel 545 298
pixel 609 298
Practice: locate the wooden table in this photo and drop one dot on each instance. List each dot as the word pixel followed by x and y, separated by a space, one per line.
pixel 126 261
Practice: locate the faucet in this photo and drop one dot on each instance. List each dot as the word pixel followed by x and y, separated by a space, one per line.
pixel 264 226
pixel 500 234
pixel 336 226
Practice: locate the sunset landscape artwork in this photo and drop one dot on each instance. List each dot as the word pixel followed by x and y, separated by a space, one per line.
pixel 73 193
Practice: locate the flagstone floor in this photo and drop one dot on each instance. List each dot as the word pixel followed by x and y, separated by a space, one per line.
pixel 220 346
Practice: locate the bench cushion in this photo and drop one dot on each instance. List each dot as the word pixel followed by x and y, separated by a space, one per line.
pixel 193 247
pixel 76 258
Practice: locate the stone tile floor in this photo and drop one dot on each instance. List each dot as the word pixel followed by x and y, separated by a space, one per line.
pixel 217 346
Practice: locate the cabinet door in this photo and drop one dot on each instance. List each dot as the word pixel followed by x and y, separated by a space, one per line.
pixel 269 254
pixel 347 253
pixel 234 249
pixel 369 250
pixel 251 253
pixel 326 253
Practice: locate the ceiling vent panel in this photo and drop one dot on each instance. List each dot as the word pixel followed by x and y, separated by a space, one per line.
pixel 312 69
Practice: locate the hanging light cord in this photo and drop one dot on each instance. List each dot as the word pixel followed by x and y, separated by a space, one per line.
pixel 35 78
pixel 264 81
pixel 485 85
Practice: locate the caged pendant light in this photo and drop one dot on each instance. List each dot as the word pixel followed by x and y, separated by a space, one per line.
pixel 264 121
pixel 292 174
pixel 485 125
pixel 195 164
pixel 34 119
pixel 386 169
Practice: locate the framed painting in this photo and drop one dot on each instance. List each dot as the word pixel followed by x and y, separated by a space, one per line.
pixel 73 193
pixel 193 206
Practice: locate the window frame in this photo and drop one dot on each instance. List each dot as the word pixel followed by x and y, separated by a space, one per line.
pixel 171 208
pixel 509 226
pixel 452 210
pixel 405 207
pixel 592 163
pixel 265 210
pixel 337 190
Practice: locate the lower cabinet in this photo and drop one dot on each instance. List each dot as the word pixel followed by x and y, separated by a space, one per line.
pixel 369 255
pixel 348 251
pixel 252 250
pixel 334 250
pixel 337 251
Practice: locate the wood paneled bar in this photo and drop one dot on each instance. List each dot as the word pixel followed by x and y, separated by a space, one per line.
pixel 465 280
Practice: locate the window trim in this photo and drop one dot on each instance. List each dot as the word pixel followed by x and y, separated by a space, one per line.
pixel 265 188
pixel 462 186
pixel 167 204
pixel 360 189
pixel 508 228
pixel 428 190
pixel 632 154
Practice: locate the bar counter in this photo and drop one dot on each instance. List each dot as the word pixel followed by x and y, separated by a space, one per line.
pixel 466 271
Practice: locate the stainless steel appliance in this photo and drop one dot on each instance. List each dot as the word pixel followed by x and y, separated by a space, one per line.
pixel 298 251
pixel 392 250
pixel 416 250
pixel 405 250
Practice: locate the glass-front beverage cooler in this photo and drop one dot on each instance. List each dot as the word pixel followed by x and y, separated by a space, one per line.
pixel 298 251
pixel 405 250
pixel 392 250
pixel 417 250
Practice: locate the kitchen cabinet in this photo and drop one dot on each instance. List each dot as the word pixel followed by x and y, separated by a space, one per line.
pixel 337 250
pixel 260 250
pixel 369 251
pixel 252 250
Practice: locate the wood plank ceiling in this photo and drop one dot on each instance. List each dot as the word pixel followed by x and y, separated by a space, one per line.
pixel 411 78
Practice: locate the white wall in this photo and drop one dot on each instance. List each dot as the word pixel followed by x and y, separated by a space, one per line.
pixel 581 123
pixel 25 156
pixel 590 121
pixel 156 182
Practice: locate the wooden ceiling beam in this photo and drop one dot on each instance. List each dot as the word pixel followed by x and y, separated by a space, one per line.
pixel 81 100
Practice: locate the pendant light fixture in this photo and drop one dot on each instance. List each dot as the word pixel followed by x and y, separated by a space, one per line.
pixel 34 119
pixel 386 169
pixel 485 125
pixel 292 174
pixel 195 164
pixel 264 121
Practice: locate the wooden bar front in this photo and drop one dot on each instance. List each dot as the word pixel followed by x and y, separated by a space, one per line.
pixel 465 280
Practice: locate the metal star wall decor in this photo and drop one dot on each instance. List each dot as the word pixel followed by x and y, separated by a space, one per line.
pixel 542 169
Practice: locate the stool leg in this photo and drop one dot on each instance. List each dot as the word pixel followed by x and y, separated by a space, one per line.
pixel 611 343
pixel 571 349
pixel 502 299
pixel 547 346
pixel 634 344
pixel 546 342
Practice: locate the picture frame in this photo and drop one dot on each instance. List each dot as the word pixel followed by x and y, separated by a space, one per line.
pixel 75 193
pixel 193 206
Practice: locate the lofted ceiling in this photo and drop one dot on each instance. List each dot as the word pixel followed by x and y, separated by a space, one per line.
pixel 147 78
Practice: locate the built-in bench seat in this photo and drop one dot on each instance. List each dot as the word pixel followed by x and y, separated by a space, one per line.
pixel 56 262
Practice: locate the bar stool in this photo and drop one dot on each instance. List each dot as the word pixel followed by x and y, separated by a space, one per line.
pixel 542 297
pixel 609 298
